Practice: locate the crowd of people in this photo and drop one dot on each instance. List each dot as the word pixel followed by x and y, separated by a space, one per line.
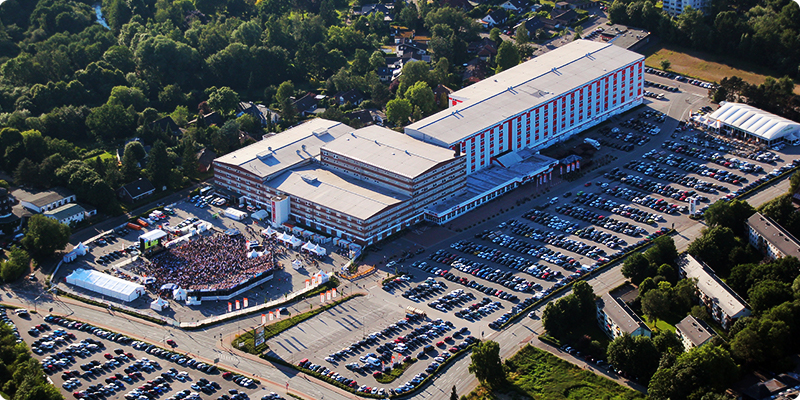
pixel 214 262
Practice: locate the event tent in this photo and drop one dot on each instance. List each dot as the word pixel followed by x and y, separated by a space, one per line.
pixel 179 294
pixel 254 254
pixel 755 122
pixel 105 284
pixel 268 232
pixel 79 250
pixel 313 248
pixel 259 215
pixel 159 304
pixel 297 264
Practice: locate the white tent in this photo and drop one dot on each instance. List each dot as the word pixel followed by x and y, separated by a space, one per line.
pixel 268 232
pixel 105 284
pixel 253 254
pixel 308 247
pixel 233 213
pixel 69 257
pixel 316 249
pixel 80 249
pixel 259 215
pixel 179 294
pixel 159 304
pixel 322 276
pixel 297 264
pixel 294 241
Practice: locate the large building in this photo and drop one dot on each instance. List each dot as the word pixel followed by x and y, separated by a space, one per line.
pixel 770 238
pixel 361 185
pixel 40 202
pixel 617 319
pixel 748 122
pixel 676 7
pixel 693 332
pixel 537 103
pixel 724 305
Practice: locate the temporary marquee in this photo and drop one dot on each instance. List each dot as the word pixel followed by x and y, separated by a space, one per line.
pixel 105 284
pixel 259 215
pixel 233 213
pixel 179 294
pixel 268 232
pixel 297 264
pixel 313 248
pixel 159 304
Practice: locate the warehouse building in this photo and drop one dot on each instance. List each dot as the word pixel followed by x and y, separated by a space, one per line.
pixel 536 104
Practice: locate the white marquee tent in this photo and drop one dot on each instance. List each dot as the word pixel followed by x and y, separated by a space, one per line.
pixel 159 304
pixel 297 264
pixel 313 248
pixel 179 294
pixel 259 215
pixel 755 122
pixel 105 284
pixel 268 232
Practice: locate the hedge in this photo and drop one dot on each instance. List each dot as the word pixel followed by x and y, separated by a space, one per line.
pixel 395 372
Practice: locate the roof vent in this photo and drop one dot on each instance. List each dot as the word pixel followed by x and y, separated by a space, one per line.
pixel 298 152
pixel 311 179
pixel 269 148
pixel 302 146
pixel 376 142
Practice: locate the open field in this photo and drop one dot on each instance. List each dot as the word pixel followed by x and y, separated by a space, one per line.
pixel 544 376
pixel 706 67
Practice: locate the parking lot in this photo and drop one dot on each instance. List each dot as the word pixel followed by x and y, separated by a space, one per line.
pixel 89 362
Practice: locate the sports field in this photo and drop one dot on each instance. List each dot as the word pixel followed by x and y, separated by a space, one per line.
pixel 706 67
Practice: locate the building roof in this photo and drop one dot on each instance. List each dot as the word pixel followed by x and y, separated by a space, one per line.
pixel 293 146
pixel 43 198
pixel 346 195
pixel 517 89
pixel 498 15
pixel 104 283
pixel 755 121
pixel 166 124
pixel 697 331
pixel 772 232
pixel 518 4
pixel 206 156
pixel 709 284
pixel 389 150
pixel 621 314
pixel 65 211
pixel 306 102
pixel 353 96
pixel 139 187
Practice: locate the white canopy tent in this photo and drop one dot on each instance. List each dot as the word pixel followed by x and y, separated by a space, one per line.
pixel 297 264
pixel 268 232
pixel 259 215
pixel 105 284
pixel 254 254
pixel 755 122
pixel 159 304
pixel 179 294
pixel 313 248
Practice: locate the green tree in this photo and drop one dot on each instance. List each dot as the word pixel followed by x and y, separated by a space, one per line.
pixel 285 91
pixel 27 173
pixel 398 111
pixel 44 236
pixel 665 64
pixel 584 293
pixel 413 72
pixel 767 294
pixel 130 166
pixel 521 36
pixel 507 56
pixel 655 304
pixel 662 251
pixel 110 122
pixel 223 100
pixel 189 159
pixel 18 264
pixel 731 215
pixel 127 96
pixel 637 356
pixel 421 96
pixel 701 370
pixel 636 268
pixel 494 35
pixel 136 148
pixel 159 165
pixel 713 248
pixel 559 319
pixel 486 364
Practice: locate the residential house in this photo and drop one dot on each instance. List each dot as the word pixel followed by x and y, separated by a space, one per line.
pixel 441 94
pixel 532 25
pixel 369 9
pixel 561 5
pixel 368 117
pixel 384 74
pixel 67 214
pixel 782 387
pixel 560 20
pixel 400 34
pixel 410 48
pixel 485 49
pixel 475 71
pixel 517 6
pixel 352 96
pixel 260 111
pixel 205 157
pixel 135 191
pixel 581 4
pixel 40 202
pixel 770 238
pixel 494 18
pixel 166 124
pixel 212 118
pixel 462 4
pixel 617 319
pixel 693 332
pixel 724 305
pixel 306 104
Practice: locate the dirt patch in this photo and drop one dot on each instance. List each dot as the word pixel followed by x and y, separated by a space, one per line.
pixel 707 67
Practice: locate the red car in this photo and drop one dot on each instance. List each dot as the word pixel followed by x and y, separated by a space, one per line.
pixel 108 356
pixel 587 184
pixel 171 343
pixel 227 375
pixel 130 355
pixel 454 349
pixel 440 344
pixel 377 374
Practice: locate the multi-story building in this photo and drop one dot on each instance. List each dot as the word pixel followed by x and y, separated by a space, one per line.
pixel 693 332
pixel 770 238
pixel 537 103
pixel 724 305
pixel 361 185
pixel 675 7
pixel 617 319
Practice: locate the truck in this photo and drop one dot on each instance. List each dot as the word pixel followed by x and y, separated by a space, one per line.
pixel 592 142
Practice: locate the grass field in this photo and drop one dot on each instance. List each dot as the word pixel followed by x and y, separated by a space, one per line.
pixel 706 67
pixel 543 376
pixel 660 325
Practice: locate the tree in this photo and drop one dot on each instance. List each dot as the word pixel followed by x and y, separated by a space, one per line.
pixel 584 293
pixel 421 96
pixel 559 319
pixel 398 111
pixel 767 294
pixel 453 394
pixel 637 356
pixel 224 100
pixel 636 268
pixel 662 251
pixel 507 56
pixel 578 33
pixel 486 364
pixel 731 214
pixel 44 236
pixel 130 166
pixel 413 72
pixel 285 91
pixel 521 36
pixel 655 304
pixel 27 173
pixel 189 157
pixel 18 264
pixel 494 35
pixel 713 247
pixel 665 64
pixel 110 122
pixel 694 373
pixel 158 165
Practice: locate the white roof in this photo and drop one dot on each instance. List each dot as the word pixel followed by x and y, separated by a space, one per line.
pixel 755 121
pixel 153 235
pixel 294 146
pixel 390 151
pixel 348 196
pixel 105 284
pixel 710 285
pixel 515 90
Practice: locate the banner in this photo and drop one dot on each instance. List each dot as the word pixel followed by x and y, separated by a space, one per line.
pixel 238 305
pixel 245 302
pixel 270 316
pixel 259 336
pixel 308 283
pixel 263 319
pixel 328 295
pixel 229 306
pixel 333 292
pixel 278 314
pixel 322 297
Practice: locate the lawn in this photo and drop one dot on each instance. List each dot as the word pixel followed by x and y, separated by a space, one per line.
pixel 705 66
pixel 543 376
pixel 660 325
